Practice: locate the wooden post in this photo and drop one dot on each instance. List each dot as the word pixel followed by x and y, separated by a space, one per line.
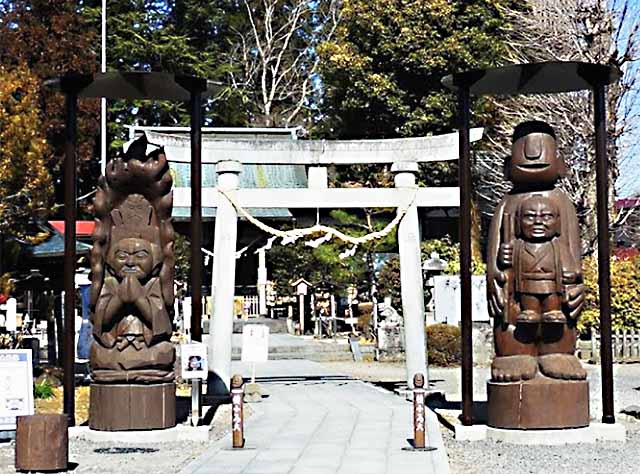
pixel 301 316
pixel 71 106
pixel 262 282
pixel 464 178
pixel 237 416
pixel 604 279
pixel 42 443
pixel 196 215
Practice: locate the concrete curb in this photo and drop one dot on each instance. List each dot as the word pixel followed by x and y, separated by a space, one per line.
pixel 439 457
pixel 591 434
pixel 177 433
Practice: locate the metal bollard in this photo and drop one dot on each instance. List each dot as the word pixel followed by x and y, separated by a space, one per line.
pixel 196 401
pixel 237 420
pixel 418 411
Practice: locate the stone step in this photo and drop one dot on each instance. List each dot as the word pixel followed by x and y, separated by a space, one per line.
pixel 316 352
pixel 316 357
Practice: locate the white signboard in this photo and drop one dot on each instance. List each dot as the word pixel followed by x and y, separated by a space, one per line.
pixel 193 361
pixel 255 343
pixel 446 291
pixel 16 386
pixel 186 313
pixel 11 321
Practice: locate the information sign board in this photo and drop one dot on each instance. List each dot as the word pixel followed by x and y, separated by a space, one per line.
pixel 255 343
pixel 193 361
pixel 16 386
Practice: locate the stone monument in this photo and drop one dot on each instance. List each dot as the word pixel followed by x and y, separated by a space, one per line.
pixel 535 293
pixel 132 266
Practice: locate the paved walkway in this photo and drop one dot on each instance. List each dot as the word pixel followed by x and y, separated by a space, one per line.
pixel 317 427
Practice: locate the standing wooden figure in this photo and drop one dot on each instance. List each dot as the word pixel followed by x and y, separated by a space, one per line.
pixel 535 292
pixel 132 264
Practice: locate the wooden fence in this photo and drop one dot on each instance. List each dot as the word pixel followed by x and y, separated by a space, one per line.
pixel 625 346
pixel 250 305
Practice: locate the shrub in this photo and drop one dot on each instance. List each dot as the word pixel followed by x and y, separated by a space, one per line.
pixel 625 293
pixel 444 344
pixel 43 390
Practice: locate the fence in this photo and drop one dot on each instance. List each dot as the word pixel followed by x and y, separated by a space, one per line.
pixel 250 305
pixel 625 346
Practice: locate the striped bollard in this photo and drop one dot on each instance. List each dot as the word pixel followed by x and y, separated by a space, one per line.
pixel 237 420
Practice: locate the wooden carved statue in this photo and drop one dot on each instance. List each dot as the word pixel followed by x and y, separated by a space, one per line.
pixel 535 289
pixel 132 266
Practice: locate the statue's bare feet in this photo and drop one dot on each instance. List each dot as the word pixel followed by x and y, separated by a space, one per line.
pixel 554 317
pixel 562 366
pixel 513 368
pixel 529 316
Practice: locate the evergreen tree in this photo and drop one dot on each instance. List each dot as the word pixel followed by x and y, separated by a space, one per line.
pixel 388 57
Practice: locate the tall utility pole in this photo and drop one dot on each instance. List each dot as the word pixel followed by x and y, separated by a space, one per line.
pixel 103 101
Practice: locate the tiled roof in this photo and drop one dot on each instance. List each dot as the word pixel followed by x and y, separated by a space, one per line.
pixel 54 247
pixel 252 176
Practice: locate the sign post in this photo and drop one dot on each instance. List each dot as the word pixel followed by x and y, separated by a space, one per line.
pixel 255 346
pixel 194 366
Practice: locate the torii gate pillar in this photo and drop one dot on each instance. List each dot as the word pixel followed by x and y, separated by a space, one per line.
pixel 411 279
pixel 224 278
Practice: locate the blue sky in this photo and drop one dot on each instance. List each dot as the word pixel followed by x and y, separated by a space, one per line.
pixel 628 182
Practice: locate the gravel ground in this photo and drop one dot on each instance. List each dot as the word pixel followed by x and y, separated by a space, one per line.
pixel 126 458
pixel 490 457
pixel 447 380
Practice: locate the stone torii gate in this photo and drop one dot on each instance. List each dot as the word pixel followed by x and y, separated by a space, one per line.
pixel 404 155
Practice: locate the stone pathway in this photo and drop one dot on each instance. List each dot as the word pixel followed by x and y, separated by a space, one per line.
pixel 316 427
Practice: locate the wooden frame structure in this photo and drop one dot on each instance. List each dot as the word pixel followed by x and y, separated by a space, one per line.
pixel 123 85
pixel 536 78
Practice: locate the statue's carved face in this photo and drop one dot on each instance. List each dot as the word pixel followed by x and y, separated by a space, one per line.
pixel 534 161
pixel 538 219
pixel 131 257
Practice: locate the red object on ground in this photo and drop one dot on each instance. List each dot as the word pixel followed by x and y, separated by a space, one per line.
pixel 83 228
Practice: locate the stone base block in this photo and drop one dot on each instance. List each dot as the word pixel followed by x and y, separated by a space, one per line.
pixel 470 433
pixel 609 432
pixel 541 403
pixel 591 434
pixel 198 434
pixel 124 407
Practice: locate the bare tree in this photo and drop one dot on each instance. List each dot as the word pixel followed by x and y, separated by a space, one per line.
pixel 274 61
pixel 597 31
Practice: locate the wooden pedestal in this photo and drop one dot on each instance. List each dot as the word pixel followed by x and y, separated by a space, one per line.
pixel 123 407
pixel 42 443
pixel 541 403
